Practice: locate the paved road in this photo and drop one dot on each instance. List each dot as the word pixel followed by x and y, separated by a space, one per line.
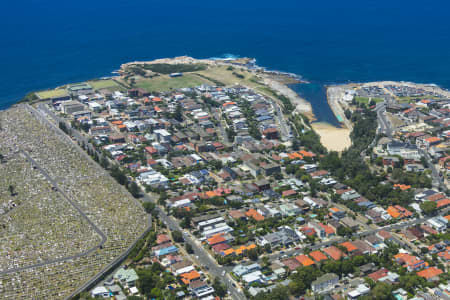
pixel 437 180
pixel 201 255
pixel 285 131
pixel 223 132
pixel 385 127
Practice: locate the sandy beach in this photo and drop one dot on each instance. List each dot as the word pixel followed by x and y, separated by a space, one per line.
pixel 333 138
pixel 301 105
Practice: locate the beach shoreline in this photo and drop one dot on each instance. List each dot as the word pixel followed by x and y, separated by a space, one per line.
pixel 301 105
pixel 333 138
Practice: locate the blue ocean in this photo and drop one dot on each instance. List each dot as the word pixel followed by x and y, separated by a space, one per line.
pixel 46 43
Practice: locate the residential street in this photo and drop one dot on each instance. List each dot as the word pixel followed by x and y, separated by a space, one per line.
pixel 200 253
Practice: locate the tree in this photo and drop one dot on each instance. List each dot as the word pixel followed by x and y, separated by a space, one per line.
pixel 428 207
pixel 411 281
pixel 162 197
pixel 11 190
pixel 134 189
pixel 104 162
pixel 85 127
pixel 63 126
pixel 348 113
pixel 178 115
pixel 278 293
pixel 295 145
pixel 156 293
pixel 303 279
pixel 344 231
pixel 219 287
pixel 149 207
pixel 95 156
pixel 117 174
pixel 177 236
pixel 379 161
pixel 189 248
pixel 382 291
pixel 252 254
pixel 186 222
pixel 146 281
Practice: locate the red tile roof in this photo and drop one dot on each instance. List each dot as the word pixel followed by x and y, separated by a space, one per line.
pixel 333 252
pixel 349 246
pixel 220 247
pixel 291 263
pixel 445 254
pixel 309 231
pixel 288 193
pixel 378 274
pixel 430 272
pixel 433 139
pixel 409 260
pixel 162 238
pixel 150 150
pixel 216 239
pixel 236 214
pixel 403 187
pixel 254 214
pixel 304 260
pixel 436 197
pixel 318 256
pixel 328 229
pixel 443 203
pixel 307 153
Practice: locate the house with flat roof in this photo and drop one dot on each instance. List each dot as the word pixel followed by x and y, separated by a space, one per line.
pixel 350 223
pixel 361 290
pixel 256 276
pixel 126 276
pixel 241 270
pixel 283 237
pixel 70 107
pixel 200 289
pixel 324 283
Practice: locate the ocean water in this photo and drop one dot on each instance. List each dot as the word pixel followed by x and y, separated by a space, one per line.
pixel 46 43
pixel 316 94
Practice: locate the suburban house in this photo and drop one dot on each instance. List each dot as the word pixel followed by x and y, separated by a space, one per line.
pixel 127 277
pixel 325 282
pixel 405 150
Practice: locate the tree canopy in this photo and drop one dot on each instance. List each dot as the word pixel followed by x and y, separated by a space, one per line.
pixel 428 207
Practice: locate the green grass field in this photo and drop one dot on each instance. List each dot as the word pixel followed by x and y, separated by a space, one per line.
pixel 408 99
pixel 106 84
pixel 52 93
pixel 365 100
pixel 166 83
